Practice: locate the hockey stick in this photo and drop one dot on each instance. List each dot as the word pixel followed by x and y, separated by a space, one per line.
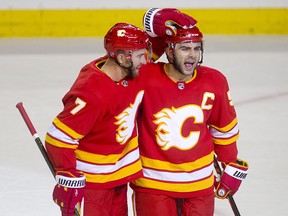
pixel 229 196
pixel 38 141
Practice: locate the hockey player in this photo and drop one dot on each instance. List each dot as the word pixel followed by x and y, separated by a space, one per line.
pixel 94 136
pixel 186 117
pixel 92 142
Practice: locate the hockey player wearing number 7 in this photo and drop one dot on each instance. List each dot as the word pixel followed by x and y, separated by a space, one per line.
pixel 186 117
pixel 92 143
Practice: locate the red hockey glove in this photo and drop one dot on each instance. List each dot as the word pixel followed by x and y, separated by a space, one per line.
pixel 231 178
pixel 69 191
pixel 161 22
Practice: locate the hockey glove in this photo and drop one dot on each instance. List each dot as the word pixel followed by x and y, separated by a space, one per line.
pixel 161 22
pixel 231 178
pixel 69 191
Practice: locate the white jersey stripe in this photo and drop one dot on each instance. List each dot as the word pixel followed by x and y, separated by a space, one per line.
pixel 54 132
pixel 178 176
pixel 131 157
pixel 217 134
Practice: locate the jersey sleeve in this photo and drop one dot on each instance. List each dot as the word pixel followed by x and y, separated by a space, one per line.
pixel 82 108
pixel 67 129
pixel 223 124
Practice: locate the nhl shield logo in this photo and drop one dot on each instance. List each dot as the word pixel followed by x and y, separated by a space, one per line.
pixel 181 86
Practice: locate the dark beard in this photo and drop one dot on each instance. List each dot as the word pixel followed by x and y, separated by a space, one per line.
pixel 130 72
pixel 129 69
pixel 177 66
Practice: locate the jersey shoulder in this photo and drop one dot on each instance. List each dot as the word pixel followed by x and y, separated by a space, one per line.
pixel 91 83
pixel 211 74
pixel 152 65
pixel 151 68
pixel 91 78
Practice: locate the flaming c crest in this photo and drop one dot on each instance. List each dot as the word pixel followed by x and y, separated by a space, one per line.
pixel 126 120
pixel 170 123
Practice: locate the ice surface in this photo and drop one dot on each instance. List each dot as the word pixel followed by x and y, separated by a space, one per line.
pixel 38 72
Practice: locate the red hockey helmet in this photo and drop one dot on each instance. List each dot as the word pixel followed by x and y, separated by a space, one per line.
pixel 126 37
pixel 186 35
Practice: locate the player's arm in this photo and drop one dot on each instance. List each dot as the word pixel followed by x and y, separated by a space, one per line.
pixel 69 188
pixel 70 126
pixel 223 123
pixel 225 134
pixel 61 142
pixel 159 23
pixel 62 138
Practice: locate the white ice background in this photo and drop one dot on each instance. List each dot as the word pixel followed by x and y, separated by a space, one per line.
pixel 38 72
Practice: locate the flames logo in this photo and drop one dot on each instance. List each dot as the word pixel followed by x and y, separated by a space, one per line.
pixel 126 120
pixel 170 123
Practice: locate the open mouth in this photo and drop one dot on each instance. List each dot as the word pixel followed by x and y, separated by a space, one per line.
pixel 189 66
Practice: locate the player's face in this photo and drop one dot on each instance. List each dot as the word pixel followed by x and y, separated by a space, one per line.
pixel 186 57
pixel 138 58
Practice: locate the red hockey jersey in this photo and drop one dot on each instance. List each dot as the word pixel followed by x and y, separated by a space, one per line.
pixel 95 133
pixel 181 125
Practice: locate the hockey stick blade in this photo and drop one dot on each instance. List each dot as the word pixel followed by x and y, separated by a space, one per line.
pixel 229 197
pixel 38 141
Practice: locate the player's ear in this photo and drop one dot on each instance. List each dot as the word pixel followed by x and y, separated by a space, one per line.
pixel 121 58
pixel 169 54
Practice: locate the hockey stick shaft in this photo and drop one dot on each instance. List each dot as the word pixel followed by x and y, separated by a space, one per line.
pixel 35 136
pixel 230 197
pixel 38 141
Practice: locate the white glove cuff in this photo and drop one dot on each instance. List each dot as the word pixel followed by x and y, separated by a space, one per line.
pixel 236 173
pixel 70 182
pixel 148 21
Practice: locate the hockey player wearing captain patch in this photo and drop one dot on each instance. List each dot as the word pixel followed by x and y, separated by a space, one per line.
pixel 92 142
pixel 186 117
